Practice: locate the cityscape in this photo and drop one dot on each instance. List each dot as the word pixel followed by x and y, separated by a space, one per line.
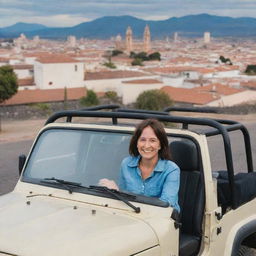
pixel 201 71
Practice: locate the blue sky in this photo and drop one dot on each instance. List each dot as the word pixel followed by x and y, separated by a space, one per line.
pixel 63 13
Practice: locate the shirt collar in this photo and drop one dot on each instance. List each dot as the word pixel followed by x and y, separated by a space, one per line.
pixel 134 162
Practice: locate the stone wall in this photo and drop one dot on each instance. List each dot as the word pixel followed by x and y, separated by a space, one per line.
pixel 44 110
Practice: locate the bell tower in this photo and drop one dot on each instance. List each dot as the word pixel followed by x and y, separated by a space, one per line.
pixel 129 43
pixel 146 40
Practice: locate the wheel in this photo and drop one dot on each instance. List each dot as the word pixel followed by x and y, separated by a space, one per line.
pixel 246 251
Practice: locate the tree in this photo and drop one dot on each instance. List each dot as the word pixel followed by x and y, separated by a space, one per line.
pixel 109 65
pixel 116 52
pixel 154 56
pixel 142 55
pixel 112 95
pixel 90 99
pixel 250 69
pixel 137 62
pixel 8 83
pixel 153 100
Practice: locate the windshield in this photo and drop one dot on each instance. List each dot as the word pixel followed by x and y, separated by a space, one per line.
pixel 77 155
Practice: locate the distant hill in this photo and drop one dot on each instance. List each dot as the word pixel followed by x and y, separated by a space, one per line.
pixel 21 27
pixel 106 27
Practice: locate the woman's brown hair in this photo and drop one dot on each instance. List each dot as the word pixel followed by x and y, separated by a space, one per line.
pixel 158 128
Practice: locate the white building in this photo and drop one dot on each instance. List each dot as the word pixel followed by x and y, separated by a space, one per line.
pixel 207 37
pixel 247 96
pixel 71 41
pixel 23 71
pixel 58 72
pixel 130 90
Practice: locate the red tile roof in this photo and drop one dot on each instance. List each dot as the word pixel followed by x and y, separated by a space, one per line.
pixel 112 74
pixel 22 66
pixel 56 59
pixel 250 84
pixel 36 96
pixel 185 95
pixel 220 89
pixel 143 81
pixel 26 82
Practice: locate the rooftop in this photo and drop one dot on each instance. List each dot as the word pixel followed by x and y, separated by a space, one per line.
pixel 112 74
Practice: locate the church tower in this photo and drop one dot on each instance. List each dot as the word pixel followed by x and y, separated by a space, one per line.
pixel 129 43
pixel 146 40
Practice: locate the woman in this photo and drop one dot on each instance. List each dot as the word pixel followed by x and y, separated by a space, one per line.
pixel 148 170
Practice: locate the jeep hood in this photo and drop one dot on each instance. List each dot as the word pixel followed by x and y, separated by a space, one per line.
pixel 50 226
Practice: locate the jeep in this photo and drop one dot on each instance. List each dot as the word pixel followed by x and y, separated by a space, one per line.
pixel 58 208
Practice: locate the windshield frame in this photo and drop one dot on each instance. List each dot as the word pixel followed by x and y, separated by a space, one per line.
pixel 137 198
pixel 128 130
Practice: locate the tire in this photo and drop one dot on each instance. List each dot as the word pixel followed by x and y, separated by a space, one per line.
pixel 246 251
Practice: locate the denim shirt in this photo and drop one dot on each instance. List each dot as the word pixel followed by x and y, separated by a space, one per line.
pixel 163 182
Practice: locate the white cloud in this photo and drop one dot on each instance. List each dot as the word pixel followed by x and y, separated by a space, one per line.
pixel 62 20
pixel 64 13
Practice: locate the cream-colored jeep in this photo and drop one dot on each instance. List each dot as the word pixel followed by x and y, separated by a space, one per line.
pixel 58 209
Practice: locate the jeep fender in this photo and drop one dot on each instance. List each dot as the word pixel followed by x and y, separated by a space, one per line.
pixel 242 233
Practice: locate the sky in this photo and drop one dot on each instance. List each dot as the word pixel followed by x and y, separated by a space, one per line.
pixel 67 13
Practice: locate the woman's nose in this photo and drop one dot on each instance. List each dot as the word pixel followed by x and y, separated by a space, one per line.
pixel 147 143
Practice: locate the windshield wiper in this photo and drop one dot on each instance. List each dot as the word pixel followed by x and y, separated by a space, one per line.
pixel 66 184
pixel 118 195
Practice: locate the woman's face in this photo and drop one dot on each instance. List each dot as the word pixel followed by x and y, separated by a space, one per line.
pixel 148 144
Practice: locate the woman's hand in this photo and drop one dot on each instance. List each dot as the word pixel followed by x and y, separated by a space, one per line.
pixel 108 183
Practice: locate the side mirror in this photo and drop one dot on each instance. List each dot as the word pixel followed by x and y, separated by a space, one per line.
pixel 22 160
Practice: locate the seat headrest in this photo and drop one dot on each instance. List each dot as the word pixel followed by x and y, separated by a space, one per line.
pixel 184 154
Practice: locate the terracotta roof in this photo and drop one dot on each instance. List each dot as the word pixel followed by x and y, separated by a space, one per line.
pixel 202 70
pixel 143 81
pixel 56 59
pixel 26 82
pixel 220 89
pixel 22 66
pixel 185 95
pixel 250 84
pixel 177 69
pixel 180 59
pixel 36 96
pixel 112 74
pixel 4 59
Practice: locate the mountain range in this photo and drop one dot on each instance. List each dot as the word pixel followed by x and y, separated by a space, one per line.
pixel 109 26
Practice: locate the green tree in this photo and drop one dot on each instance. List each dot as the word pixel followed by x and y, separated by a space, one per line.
pixel 112 95
pixel 153 100
pixel 132 54
pixel 109 64
pixel 8 83
pixel 116 52
pixel 250 70
pixel 90 99
pixel 137 62
pixel 141 55
pixel 154 56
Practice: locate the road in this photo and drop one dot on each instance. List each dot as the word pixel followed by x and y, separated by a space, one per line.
pixel 10 151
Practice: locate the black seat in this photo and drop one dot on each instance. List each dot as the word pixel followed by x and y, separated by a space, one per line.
pixel 191 195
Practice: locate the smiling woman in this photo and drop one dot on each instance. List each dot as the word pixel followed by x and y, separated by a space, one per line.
pixel 148 170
